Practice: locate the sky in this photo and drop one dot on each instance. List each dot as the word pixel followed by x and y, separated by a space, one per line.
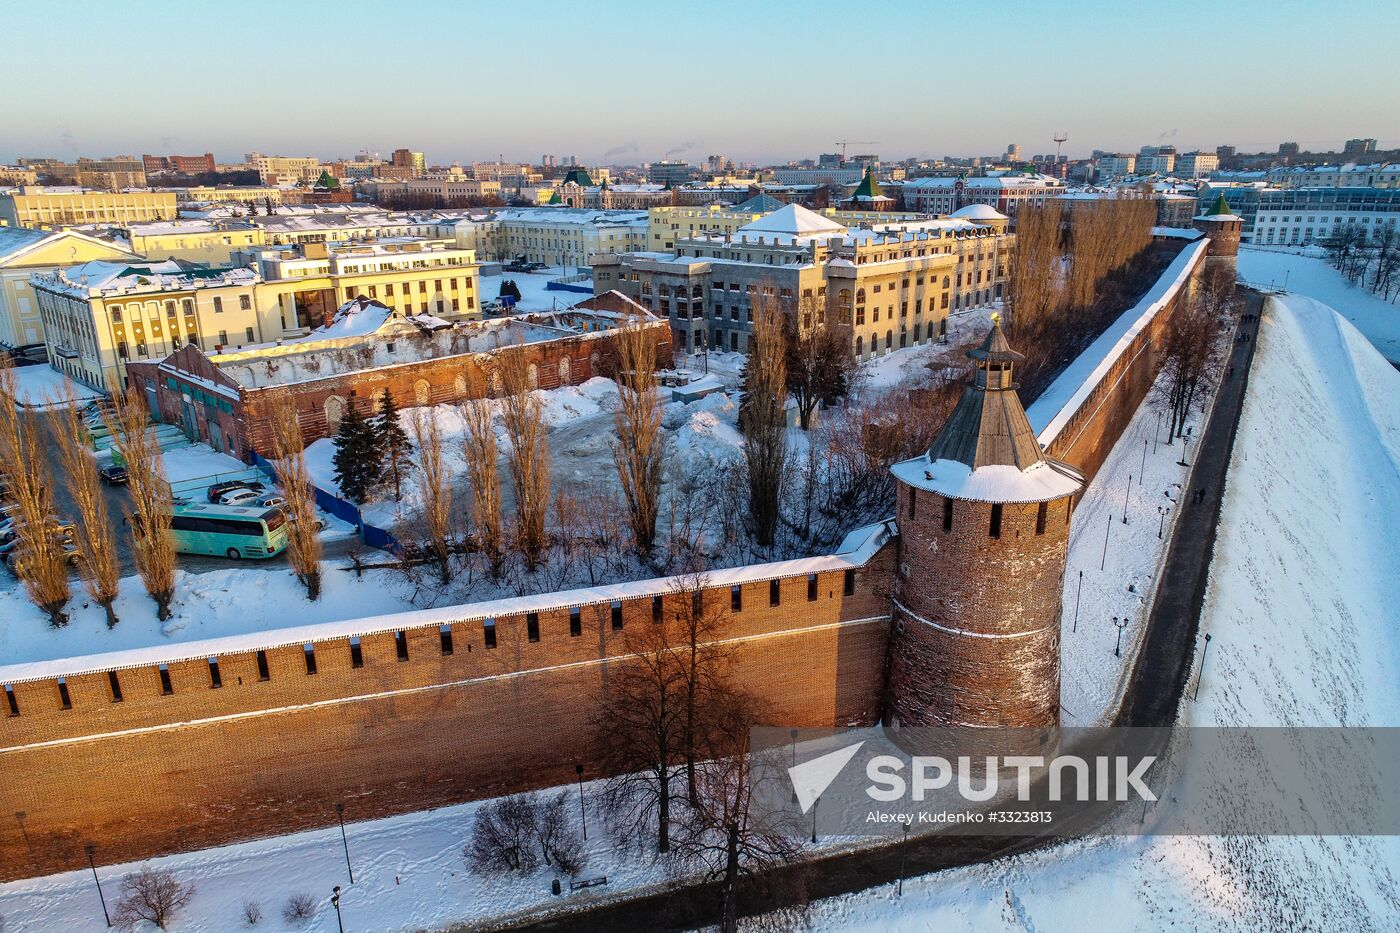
pixel 624 82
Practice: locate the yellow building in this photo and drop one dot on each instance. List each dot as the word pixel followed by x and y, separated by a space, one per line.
pixel 24 252
pixel 280 170
pixel 45 208
pixel 214 242
pixel 210 194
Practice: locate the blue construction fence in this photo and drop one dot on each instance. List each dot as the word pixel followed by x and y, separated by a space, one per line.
pixel 371 535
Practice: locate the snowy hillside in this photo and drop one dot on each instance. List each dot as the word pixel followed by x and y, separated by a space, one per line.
pixel 1300 608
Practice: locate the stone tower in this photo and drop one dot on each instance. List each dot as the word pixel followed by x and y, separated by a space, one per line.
pixel 1223 228
pixel 983 519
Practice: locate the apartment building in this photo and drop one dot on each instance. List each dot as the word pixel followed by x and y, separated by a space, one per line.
pixel 283 170
pixel 23 252
pixel 45 208
pixel 213 242
pixel 555 236
pixel 1003 193
pixel 1304 216
pixel 1117 165
pixel 1196 164
pixel 892 285
pixel 179 164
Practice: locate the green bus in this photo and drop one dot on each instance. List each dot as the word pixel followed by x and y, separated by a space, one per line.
pixel 232 531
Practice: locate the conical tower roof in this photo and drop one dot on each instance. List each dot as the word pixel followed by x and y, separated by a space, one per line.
pixel 989 426
pixel 1221 206
pixel 869 188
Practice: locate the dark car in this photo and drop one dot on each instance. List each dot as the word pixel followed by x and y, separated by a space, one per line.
pixel 113 475
pixel 217 490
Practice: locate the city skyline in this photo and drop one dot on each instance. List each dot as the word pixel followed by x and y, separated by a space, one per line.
pixel 460 92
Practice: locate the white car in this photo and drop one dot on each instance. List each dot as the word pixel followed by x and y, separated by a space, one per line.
pixel 272 500
pixel 239 497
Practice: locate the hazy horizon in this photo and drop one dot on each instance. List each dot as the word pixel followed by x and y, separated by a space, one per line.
pixel 630 83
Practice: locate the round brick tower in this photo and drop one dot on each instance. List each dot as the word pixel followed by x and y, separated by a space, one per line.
pixel 984 520
pixel 1224 229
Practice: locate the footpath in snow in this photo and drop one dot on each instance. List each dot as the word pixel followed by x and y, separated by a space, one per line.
pixel 1300 608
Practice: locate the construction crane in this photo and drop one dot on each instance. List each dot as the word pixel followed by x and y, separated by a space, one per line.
pixel 858 142
pixel 1060 139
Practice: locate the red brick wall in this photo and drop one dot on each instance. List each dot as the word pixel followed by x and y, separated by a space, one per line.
pixel 207 766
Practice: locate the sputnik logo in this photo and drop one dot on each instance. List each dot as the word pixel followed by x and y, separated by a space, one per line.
pixel 811 778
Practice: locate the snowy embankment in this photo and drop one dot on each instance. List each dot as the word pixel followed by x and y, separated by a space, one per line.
pixel 1308 273
pixel 1301 605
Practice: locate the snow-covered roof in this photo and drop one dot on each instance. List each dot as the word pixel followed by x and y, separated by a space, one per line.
pixel 1042 482
pixel 978 212
pixel 794 220
pixel 855 551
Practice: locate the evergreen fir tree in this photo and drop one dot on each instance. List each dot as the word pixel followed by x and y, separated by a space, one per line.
pixel 508 287
pixel 357 455
pixel 395 452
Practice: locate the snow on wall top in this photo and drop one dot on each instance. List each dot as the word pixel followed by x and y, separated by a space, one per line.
pixel 1068 393
pixel 855 551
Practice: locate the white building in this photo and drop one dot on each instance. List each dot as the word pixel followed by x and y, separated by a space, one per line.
pixel 1004 193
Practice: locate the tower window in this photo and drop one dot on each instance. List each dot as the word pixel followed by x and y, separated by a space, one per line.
pixel 575 622
pixel 11 701
pixel 488 629
pixel 310 651
pixel 216 680
pixel 913 499
pixel 1040 514
pixel 116 686
pixel 401 644
pixel 445 637
pixel 656 608
pixel 811 587
pixel 774 593
pixel 848 583
pixel 617 615
pixel 64 699
pixel 996 520
pixel 697 604
pixel 166 688
pixel 736 598
pixel 947 514
pixel 357 654
pixel 262 666
pixel 532 626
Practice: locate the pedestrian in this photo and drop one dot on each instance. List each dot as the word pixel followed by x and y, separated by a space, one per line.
pixel 1230 373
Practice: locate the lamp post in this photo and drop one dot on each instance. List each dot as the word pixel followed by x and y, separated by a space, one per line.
pixel 335 902
pixel 1126 493
pixel 1156 434
pixel 1202 674
pixel 340 815
pixel 1109 527
pixel 1142 476
pixel 1185 439
pixel 1162 511
pixel 814 819
pixel 93 865
pixel 1120 624
pixel 582 810
pixel 1078 593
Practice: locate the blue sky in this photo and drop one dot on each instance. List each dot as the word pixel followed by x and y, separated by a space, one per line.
pixel 759 80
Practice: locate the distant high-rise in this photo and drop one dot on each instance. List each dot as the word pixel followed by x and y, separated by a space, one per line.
pixel 1013 152
pixel 1288 150
pixel 407 158
pixel 1356 148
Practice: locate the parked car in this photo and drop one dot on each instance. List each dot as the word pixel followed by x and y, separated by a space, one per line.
pixel 216 491
pixel 318 521
pixel 241 496
pixel 272 500
pixel 113 475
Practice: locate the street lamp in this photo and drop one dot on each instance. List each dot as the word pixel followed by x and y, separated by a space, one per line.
pixel 1126 493
pixel 93 865
pixel 335 902
pixel 1202 674
pixel 814 819
pixel 583 811
pixel 1120 624
pixel 340 815
pixel 1077 594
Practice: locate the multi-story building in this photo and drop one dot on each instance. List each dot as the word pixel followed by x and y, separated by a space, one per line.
pixel 848 174
pixel 890 285
pixel 669 172
pixel 215 194
pixel 1358 148
pixel 181 165
pixel 1156 160
pixel 16 175
pixel 1196 164
pixel 555 236
pixel 415 162
pixel 213 242
pixel 1117 165
pixel 24 252
pixel 282 170
pixel 1003 193
pixel 47 207
pixel 1351 175
pixel 1303 216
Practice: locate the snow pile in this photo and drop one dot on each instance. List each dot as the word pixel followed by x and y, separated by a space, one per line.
pixel 1302 596
pixel 44 385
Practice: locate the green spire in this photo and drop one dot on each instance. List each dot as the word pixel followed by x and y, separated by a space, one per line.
pixel 327 181
pixel 1221 206
pixel 869 188
pixel 554 198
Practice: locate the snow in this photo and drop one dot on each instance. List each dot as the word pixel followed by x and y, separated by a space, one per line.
pixel 534 291
pixel 46 386
pixel 1300 609
pixel 1071 389
pixel 199 461
pixel 995 483
pixel 794 220
pixel 1308 274
pixel 913 364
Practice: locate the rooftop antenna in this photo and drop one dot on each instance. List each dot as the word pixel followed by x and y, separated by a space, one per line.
pixel 1059 138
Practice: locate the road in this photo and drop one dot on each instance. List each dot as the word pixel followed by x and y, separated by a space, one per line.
pixel 1152 699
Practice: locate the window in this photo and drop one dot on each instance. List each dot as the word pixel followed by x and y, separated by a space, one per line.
pixel 532 626
pixel 245 302
pixel 249 332
pixel 263 673
pixel 223 340
pixel 489 630
pixel 656 608
pixel 445 638
pixel 401 645
pixel 947 514
pixel 10 699
pixel 996 520
pixel 65 701
pixel 166 688
pixel 811 587
pixel 116 686
pixel 218 305
pixel 913 498
pixel 215 679
pixel 774 594
pixel 310 651
pixel 1040 514
pixel 617 615
pixel 575 622
pixel 848 583
pixel 736 598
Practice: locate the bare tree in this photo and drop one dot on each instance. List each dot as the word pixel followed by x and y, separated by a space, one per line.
pixel 763 422
pixel 504 832
pixel 97 544
pixel 153 543
pixel 559 842
pixel 697 617
pixel 1190 356
pixel 640 446
pixel 818 361
pixel 1035 281
pixel 480 447
pixel 150 895
pixel 303 537
pixel 523 417
pixel 436 488
pixel 299 909
pixel 40 558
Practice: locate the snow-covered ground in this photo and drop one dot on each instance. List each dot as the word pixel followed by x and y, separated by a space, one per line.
pixel 1306 272
pixel 43 385
pixel 534 293
pixel 912 364
pixel 1300 609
